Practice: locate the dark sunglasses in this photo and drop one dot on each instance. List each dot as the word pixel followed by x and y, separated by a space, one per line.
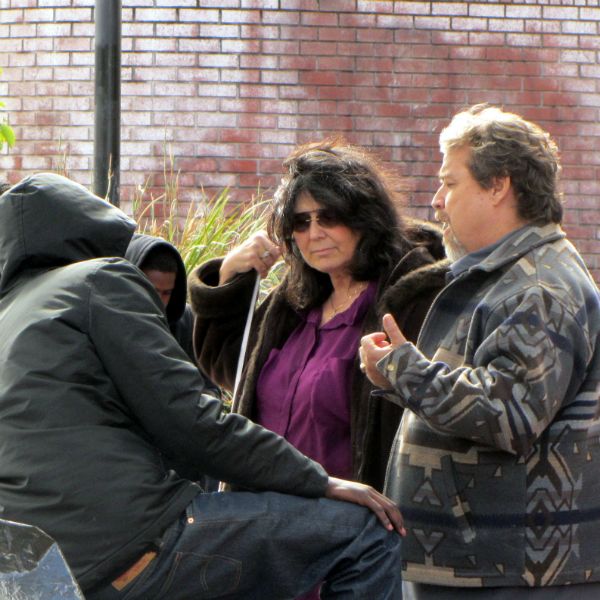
pixel 325 217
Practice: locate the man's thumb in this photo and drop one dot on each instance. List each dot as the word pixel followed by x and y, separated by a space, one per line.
pixel 393 331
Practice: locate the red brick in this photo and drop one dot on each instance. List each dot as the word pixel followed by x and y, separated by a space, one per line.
pixel 450 37
pixel 30 30
pixel 578 85
pixel 395 21
pixel 281 17
pixel 534 26
pixel 589 42
pixel 373 94
pixel 561 70
pixel 375 64
pixel 336 93
pixel 494 10
pixel 358 49
pixel 296 32
pixel 489 39
pixel 329 34
pixel 300 63
pixel 321 107
pixel 524 39
pixel 241 46
pixel 468 24
pixel 35 103
pixel 468 53
pixel 218 60
pixel 589 14
pixel 276 47
pixel 279 77
pixel 257 120
pixel 393 109
pixel 219 31
pixel 16 16
pixel 276 137
pixel 319 78
pixel 240 76
pixel 579 56
pixel 449 8
pixel 28 45
pixel 356 79
pixel 580 27
pixel 374 6
pixel 358 20
pixel 509 25
pixel 320 48
pixel 260 32
pixel 75 15
pixel 155 14
pixel 442 23
pixel 563 13
pixel 199 15
pixel 258 61
pixel 319 19
pixel 178 30
pixel 210 119
pixel 522 11
pixel 262 4
pixel 240 16
pixel 430 51
pixel 28 60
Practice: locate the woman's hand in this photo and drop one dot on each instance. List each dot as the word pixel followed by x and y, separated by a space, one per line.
pixel 359 493
pixel 375 346
pixel 257 252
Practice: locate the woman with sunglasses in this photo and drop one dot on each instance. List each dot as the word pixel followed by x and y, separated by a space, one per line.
pixel 350 258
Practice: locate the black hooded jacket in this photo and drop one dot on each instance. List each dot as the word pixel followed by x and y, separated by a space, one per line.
pixel 179 314
pixel 94 390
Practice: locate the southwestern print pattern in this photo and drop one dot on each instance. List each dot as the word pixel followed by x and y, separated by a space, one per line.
pixel 496 464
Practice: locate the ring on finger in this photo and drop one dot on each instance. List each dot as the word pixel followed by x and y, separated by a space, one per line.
pixel 265 254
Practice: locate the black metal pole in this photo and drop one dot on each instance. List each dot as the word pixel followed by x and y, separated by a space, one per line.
pixel 107 128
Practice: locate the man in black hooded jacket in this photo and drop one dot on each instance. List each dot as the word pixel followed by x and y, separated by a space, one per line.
pixel 94 390
pixel 161 262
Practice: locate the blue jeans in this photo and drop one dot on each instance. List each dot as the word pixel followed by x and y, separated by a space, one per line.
pixel 269 546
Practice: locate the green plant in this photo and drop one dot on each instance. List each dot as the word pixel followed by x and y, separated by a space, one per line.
pixel 7 135
pixel 209 228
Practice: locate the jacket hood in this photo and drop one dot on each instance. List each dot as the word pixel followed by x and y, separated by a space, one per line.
pixel 48 221
pixel 138 250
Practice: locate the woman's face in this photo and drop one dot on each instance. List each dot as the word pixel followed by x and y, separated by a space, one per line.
pixel 325 244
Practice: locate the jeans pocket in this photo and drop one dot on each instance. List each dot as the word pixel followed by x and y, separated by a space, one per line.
pixel 215 575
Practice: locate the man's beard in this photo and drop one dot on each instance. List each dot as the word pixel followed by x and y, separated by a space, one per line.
pixel 454 249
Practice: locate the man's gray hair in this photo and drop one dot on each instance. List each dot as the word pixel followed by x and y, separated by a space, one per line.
pixel 504 144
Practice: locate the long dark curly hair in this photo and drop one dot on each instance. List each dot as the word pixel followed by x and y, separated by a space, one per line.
pixel 353 184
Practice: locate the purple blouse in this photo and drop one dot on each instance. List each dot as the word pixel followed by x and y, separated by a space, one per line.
pixel 303 391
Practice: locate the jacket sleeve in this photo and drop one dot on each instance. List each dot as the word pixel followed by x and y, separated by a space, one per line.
pixel 166 398
pixel 221 312
pixel 533 357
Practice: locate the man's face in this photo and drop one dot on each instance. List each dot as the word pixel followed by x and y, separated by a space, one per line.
pixel 462 205
pixel 163 282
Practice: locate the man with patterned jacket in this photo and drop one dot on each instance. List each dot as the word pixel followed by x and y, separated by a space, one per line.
pixel 496 463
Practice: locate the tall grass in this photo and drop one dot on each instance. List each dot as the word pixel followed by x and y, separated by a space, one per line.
pixel 208 229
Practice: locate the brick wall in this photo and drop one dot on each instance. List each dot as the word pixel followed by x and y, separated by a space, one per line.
pixel 229 87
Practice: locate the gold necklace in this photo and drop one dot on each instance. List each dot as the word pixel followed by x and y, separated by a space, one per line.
pixel 350 297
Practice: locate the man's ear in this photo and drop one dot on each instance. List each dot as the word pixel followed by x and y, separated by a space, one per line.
pixel 501 188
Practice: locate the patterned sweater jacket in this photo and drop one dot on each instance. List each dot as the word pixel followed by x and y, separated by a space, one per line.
pixel 496 466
